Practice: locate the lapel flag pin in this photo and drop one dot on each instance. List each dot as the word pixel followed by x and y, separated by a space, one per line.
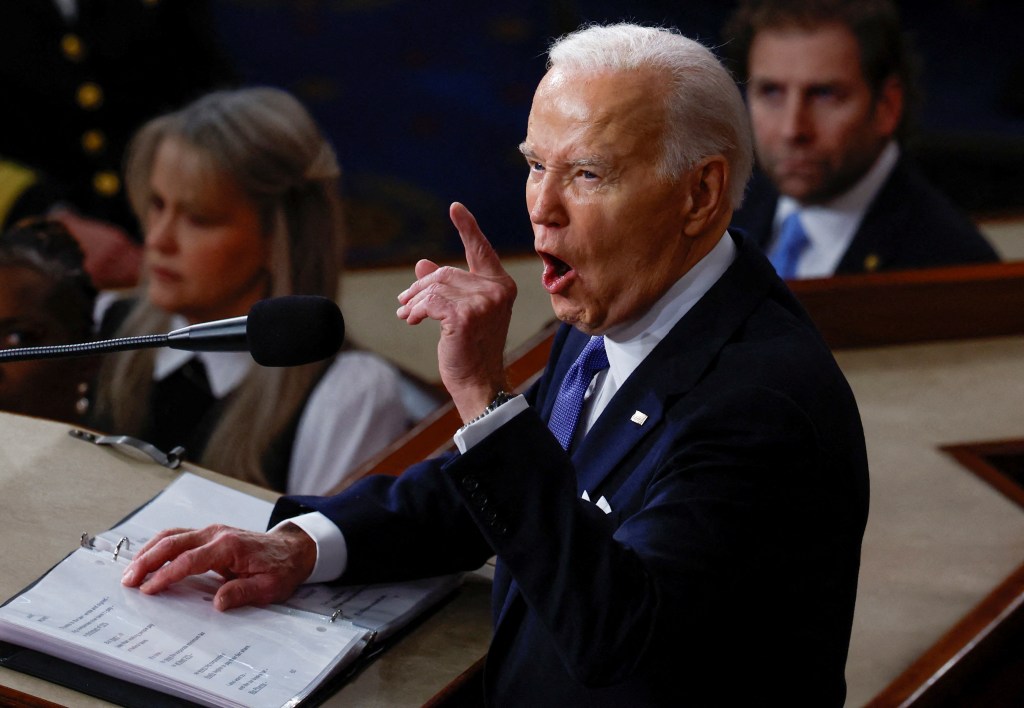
pixel 639 418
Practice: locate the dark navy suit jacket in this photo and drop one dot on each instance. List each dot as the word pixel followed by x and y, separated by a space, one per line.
pixel 910 224
pixel 725 573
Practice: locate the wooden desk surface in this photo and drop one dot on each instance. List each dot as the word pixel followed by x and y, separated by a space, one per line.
pixel 938 538
pixel 54 487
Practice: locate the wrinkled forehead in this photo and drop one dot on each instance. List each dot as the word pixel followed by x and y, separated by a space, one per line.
pixel 609 94
pixel 618 106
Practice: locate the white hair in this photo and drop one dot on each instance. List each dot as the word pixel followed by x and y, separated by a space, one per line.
pixel 706 113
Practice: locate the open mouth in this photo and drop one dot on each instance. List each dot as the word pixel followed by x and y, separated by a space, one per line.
pixel 556 272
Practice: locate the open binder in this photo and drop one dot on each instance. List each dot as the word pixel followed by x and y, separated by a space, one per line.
pixel 175 643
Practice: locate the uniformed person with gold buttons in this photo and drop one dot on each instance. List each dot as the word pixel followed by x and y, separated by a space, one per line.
pixel 79 76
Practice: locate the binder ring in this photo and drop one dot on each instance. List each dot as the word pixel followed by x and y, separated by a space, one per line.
pixel 87 541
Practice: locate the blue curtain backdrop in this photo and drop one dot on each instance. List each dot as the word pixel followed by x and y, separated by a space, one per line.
pixel 426 102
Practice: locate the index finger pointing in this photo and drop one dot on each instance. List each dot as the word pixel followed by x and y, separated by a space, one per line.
pixel 480 255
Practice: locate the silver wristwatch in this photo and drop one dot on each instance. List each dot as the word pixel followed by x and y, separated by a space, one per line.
pixel 502 398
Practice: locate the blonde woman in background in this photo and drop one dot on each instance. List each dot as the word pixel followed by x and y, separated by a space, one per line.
pixel 237 194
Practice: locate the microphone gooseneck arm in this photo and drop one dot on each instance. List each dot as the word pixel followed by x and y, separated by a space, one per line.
pixel 220 336
pixel 285 331
pixel 57 351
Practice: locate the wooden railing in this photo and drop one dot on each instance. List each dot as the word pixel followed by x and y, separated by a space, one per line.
pixel 882 309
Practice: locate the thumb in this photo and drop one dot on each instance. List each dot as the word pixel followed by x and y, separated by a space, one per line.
pixel 425 268
pixel 480 255
pixel 240 592
pixel 230 595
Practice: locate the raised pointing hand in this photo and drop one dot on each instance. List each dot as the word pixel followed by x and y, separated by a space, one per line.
pixel 474 308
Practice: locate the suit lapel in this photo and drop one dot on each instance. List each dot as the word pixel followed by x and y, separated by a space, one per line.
pixel 614 435
pixel 871 247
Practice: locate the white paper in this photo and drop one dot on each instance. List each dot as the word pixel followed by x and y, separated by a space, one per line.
pixel 176 641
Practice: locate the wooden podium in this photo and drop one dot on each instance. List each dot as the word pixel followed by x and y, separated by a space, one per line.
pixel 54 487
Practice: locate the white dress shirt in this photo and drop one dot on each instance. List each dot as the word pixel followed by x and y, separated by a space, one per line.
pixel 626 345
pixel 830 227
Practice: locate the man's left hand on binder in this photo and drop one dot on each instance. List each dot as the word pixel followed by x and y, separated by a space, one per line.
pixel 259 568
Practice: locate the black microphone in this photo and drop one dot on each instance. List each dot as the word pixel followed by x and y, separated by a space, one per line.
pixel 282 331
pixel 294 330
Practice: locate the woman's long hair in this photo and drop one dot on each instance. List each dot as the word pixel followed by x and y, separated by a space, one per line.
pixel 267 142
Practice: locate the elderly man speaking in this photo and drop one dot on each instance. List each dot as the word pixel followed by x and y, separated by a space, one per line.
pixel 677 505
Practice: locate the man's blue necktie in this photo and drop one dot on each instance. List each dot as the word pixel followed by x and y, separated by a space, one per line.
pixel 566 412
pixel 789 247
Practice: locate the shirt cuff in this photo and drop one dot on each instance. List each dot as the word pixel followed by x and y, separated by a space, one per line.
pixel 331 549
pixel 469 435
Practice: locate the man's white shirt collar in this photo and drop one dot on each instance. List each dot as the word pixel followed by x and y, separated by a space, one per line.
pixel 831 227
pixel 224 370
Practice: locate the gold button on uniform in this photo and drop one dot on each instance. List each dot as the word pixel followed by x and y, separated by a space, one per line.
pixel 90 95
pixel 106 183
pixel 72 47
pixel 93 141
pixel 872 262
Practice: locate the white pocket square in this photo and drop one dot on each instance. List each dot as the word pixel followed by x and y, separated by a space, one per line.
pixel 601 503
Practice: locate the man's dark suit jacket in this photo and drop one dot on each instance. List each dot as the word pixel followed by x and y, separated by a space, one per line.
pixel 910 224
pixel 725 573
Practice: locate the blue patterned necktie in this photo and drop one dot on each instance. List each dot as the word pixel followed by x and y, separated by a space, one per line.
pixel 789 247
pixel 566 412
